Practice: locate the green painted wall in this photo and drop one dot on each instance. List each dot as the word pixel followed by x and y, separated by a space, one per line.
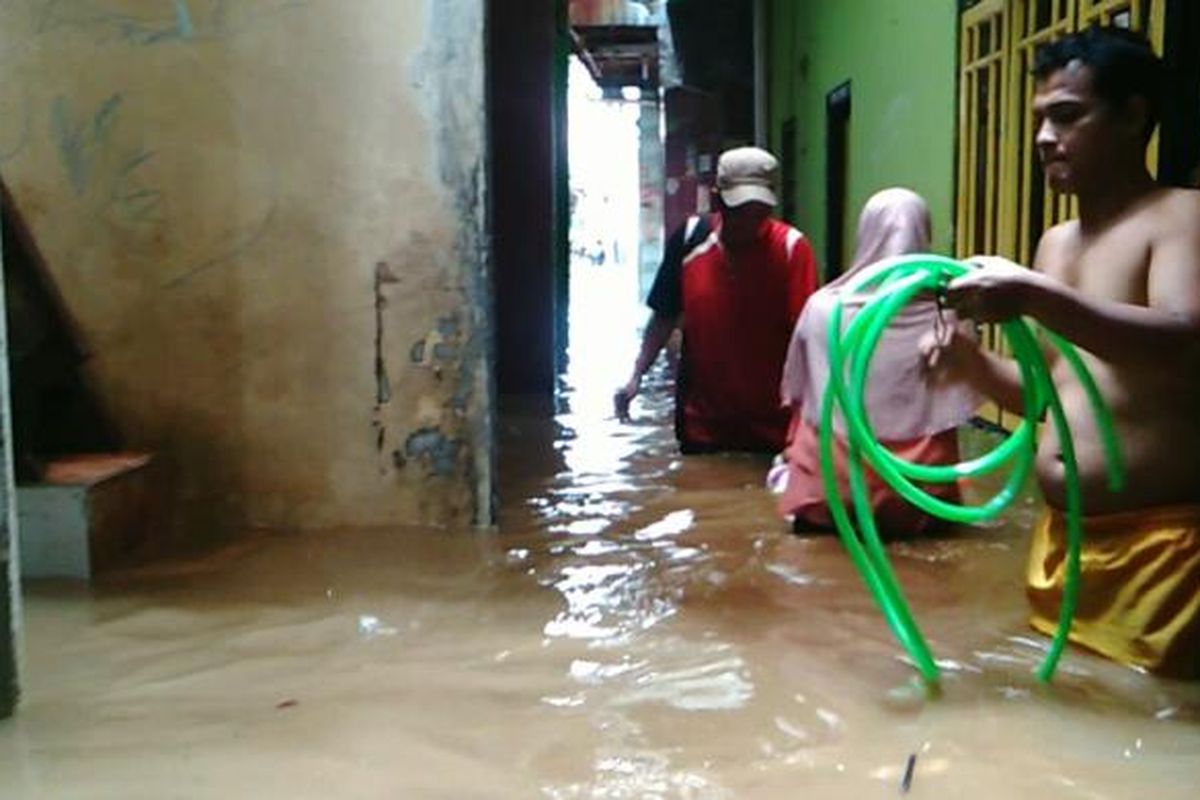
pixel 900 59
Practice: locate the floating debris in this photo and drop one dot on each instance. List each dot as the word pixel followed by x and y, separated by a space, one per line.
pixel 906 781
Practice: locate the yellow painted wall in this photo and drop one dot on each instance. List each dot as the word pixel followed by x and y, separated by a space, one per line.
pixel 240 200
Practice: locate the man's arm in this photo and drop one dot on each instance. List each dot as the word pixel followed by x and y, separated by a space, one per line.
pixel 963 358
pixel 1168 328
pixel 666 303
pixel 959 357
pixel 1119 333
pixel 654 338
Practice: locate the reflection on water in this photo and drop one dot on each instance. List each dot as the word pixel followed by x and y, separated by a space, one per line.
pixel 642 627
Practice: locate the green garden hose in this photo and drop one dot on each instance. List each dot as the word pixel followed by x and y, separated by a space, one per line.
pixel 889 288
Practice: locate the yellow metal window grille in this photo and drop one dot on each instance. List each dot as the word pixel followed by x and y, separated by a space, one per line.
pixel 1003 205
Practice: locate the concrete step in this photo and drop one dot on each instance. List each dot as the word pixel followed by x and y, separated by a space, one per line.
pixel 88 513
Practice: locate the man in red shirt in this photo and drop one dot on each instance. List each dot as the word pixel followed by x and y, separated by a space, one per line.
pixel 735 291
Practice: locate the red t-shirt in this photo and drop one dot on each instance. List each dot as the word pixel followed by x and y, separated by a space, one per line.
pixel 737 321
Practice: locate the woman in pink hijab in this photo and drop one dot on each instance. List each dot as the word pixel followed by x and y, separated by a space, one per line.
pixel 912 415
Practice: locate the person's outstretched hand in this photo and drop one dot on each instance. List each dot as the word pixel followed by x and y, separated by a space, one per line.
pixel 948 353
pixel 624 396
pixel 996 291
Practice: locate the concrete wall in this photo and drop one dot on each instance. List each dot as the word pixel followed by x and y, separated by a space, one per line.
pixel 652 171
pixel 267 218
pixel 900 57
pixel 10 604
pixel 8 631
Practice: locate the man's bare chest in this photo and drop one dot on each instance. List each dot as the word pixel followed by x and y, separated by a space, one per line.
pixel 1114 266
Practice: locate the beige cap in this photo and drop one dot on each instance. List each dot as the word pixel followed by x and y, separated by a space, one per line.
pixel 745 174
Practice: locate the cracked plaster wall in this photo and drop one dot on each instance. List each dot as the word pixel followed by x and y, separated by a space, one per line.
pixel 267 219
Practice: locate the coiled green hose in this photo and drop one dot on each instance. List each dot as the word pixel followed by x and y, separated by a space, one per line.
pixel 890 287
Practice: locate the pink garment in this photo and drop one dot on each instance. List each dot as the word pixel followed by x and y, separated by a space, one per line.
pixel 802 497
pixel 902 403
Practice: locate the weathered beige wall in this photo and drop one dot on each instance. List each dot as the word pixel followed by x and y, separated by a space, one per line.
pixel 244 202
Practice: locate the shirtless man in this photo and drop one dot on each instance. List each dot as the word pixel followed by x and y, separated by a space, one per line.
pixel 1122 282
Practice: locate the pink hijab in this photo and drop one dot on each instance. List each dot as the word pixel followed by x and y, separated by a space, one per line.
pixel 901 400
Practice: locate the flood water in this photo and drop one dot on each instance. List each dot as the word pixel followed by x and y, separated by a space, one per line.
pixel 642 627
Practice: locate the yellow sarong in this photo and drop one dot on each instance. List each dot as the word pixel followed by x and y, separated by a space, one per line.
pixel 1139 590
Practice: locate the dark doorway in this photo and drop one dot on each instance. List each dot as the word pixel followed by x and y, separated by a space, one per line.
pixel 55 412
pixel 1179 147
pixel 837 131
pixel 526 64
pixel 787 170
